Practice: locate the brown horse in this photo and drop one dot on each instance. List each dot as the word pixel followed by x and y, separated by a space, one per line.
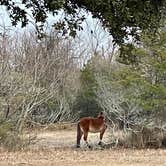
pixel 89 124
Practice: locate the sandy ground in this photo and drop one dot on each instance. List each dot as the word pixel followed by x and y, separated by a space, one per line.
pixel 57 148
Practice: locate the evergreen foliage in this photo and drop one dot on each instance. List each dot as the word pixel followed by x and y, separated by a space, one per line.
pixel 122 18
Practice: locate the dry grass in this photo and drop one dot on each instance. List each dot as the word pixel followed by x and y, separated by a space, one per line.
pixel 56 148
pixel 67 157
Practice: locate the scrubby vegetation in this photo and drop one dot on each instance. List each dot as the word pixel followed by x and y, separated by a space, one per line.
pixel 42 83
pixel 48 81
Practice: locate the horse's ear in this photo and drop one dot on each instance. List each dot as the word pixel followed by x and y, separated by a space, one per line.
pixel 101 113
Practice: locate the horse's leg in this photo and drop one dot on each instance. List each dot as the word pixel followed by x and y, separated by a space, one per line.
pixel 79 139
pixel 79 135
pixel 85 138
pixel 102 133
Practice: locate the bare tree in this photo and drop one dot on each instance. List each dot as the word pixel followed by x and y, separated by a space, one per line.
pixel 113 101
pixel 35 73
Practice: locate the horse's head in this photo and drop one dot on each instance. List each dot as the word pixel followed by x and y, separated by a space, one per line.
pixel 101 115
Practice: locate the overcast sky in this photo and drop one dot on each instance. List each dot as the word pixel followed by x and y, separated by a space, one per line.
pixel 99 40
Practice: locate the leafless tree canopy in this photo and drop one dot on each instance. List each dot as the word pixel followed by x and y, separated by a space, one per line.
pixel 36 76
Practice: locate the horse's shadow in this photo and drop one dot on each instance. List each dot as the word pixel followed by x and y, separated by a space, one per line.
pixel 103 146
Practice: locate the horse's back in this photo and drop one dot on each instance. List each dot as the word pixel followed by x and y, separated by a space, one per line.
pixel 91 124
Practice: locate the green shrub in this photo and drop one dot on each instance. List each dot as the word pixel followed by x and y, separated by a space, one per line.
pixel 10 138
pixel 5 129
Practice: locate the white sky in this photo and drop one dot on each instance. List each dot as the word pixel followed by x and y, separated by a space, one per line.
pixel 98 41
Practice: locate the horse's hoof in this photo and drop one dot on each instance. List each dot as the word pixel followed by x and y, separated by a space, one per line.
pixel 100 143
pixel 78 146
pixel 90 147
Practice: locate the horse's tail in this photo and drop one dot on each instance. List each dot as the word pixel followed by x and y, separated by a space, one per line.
pixel 78 134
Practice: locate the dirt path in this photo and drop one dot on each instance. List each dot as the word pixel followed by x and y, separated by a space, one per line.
pixel 65 139
pixel 57 149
